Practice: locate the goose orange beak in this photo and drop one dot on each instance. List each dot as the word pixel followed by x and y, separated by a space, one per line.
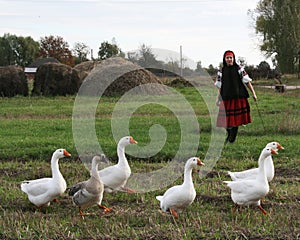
pixel 132 141
pixel 66 153
pixel 273 151
pixel 279 146
pixel 199 163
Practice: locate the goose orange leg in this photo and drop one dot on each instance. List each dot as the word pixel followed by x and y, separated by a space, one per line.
pixel 129 190
pixel 174 213
pixel 263 210
pixel 81 213
pixel 106 209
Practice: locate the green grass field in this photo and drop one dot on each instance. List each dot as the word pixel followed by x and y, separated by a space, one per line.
pixel 33 127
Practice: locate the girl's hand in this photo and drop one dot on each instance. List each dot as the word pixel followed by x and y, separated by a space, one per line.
pixel 254 97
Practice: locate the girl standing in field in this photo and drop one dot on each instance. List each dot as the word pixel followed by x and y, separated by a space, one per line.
pixel 232 98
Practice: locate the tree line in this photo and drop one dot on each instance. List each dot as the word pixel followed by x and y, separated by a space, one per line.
pixel 277 24
pixel 19 50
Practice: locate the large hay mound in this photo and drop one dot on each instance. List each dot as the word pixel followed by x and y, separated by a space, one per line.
pixel 116 76
pixel 53 79
pixel 179 82
pixel 13 81
pixel 85 68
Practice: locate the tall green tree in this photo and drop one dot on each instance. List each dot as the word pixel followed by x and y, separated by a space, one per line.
pixel 7 55
pixel 17 50
pixel 28 50
pixel 107 50
pixel 278 22
pixel 56 47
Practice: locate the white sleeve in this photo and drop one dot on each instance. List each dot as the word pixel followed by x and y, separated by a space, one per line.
pixel 246 79
pixel 245 76
pixel 218 82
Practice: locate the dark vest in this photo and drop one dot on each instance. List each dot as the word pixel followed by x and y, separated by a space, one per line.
pixel 232 84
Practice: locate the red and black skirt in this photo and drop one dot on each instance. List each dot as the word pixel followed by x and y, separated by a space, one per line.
pixel 233 113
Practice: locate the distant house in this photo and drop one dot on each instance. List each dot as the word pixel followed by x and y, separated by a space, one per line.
pixel 31 69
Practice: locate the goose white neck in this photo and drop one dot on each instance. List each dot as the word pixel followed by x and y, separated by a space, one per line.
pixel 261 167
pixel 55 167
pixel 188 176
pixel 121 155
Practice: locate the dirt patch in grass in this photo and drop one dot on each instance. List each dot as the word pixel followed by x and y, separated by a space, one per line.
pixel 287 172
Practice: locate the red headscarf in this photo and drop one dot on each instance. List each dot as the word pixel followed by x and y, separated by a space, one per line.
pixel 229 53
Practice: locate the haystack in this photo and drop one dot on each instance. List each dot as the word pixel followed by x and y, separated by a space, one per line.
pixel 53 79
pixel 116 76
pixel 13 81
pixel 179 82
pixel 85 68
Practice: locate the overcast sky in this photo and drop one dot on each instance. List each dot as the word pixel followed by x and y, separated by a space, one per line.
pixel 204 28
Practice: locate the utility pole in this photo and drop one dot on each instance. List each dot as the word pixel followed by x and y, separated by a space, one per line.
pixel 299 64
pixel 180 60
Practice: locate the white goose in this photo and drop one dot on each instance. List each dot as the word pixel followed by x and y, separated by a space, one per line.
pixel 249 191
pixel 91 191
pixel 44 190
pixel 251 173
pixel 115 177
pixel 179 197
